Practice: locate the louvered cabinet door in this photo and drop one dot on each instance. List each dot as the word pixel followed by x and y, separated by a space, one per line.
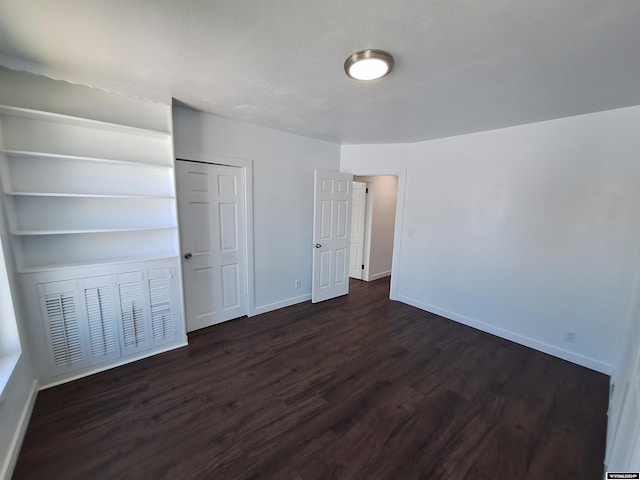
pixel 100 310
pixel 133 313
pixel 161 304
pixel 63 325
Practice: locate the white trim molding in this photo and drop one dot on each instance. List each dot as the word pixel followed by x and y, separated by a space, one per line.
pixel 578 359
pixel 6 471
pixel 281 304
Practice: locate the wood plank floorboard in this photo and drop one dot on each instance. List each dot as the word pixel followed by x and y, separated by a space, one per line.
pixel 358 387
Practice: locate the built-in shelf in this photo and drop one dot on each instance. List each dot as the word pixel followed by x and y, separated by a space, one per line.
pixel 89 200
pixel 26 153
pixel 83 122
pixel 96 263
pixel 89 230
pixel 27 174
pixel 85 192
pixel 57 249
pixel 86 195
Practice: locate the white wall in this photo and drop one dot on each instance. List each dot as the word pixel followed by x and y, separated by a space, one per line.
pixel 16 404
pixel 623 429
pixel 283 166
pixel 525 232
pixel 383 220
pixel 18 396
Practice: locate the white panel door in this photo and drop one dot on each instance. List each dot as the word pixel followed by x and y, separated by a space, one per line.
pixel 211 209
pixel 331 234
pixel 358 207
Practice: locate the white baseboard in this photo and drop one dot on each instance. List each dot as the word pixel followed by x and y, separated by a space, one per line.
pixel 282 304
pixel 122 361
pixel 18 436
pixel 376 276
pixel 572 357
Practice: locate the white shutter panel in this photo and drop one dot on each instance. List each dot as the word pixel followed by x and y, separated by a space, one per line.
pixel 63 328
pixel 160 300
pixel 132 312
pixel 99 304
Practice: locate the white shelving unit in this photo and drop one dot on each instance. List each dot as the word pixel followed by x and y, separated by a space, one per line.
pixel 67 180
pixel 87 182
pixel 7 110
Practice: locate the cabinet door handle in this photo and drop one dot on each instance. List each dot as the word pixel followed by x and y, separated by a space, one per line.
pixel 317 245
pixel 187 255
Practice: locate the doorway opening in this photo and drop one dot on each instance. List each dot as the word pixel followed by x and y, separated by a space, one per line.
pixel 376 225
pixel 373 223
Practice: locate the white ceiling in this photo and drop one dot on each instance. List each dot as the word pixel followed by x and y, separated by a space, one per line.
pixel 461 65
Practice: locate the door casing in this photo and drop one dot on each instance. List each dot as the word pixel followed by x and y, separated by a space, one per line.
pixel 401 173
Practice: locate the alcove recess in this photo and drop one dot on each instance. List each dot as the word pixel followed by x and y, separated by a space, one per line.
pixel 81 191
pixel 89 194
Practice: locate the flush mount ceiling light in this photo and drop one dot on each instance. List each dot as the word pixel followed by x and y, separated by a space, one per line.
pixel 368 65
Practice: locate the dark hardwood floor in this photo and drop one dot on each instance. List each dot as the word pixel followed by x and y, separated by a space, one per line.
pixel 357 387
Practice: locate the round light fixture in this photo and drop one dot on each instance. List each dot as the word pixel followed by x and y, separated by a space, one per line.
pixel 368 65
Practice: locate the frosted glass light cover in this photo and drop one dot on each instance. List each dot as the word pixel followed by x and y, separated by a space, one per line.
pixel 368 65
pixel 368 69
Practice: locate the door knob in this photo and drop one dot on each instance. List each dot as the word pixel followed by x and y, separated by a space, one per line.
pixel 187 255
pixel 317 245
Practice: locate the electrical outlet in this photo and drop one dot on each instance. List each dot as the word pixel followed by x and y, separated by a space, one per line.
pixel 570 337
pixel 297 284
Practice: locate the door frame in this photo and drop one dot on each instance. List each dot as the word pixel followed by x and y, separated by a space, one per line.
pixel 247 168
pixel 368 220
pixel 401 173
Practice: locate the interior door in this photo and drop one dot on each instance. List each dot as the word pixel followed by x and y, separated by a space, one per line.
pixel 358 208
pixel 211 210
pixel 331 235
